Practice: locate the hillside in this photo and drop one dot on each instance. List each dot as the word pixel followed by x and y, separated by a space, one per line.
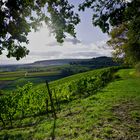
pixel 112 112
pixel 12 76
pixel 55 62
pixel 94 62
pixel 98 62
pixel 39 64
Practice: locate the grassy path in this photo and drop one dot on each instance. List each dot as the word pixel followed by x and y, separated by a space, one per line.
pixel 111 114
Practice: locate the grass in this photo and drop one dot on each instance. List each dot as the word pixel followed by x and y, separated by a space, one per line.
pixel 73 77
pixel 113 113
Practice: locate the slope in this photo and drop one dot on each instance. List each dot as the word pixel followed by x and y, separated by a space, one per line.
pixel 112 113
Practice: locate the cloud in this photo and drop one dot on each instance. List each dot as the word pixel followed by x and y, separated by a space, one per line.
pixel 72 40
pixel 68 50
pixel 43 46
pixel 82 55
pixel 66 40
pixel 51 44
pixel 44 54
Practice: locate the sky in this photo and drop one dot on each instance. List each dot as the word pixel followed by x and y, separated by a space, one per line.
pixel 90 42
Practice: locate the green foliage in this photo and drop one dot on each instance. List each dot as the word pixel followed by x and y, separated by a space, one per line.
pixel 28 101
pixel 17 18
pixel 81 85
pixel 123 18
pixel 125 43
pixel 96 63
pixel 73 70
pixel 99 116
pixel 138 67
pixel 22 102
pixel 129 37
pixel 106 13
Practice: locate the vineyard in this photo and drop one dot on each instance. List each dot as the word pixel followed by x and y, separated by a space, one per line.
pixel 99 104
pixel 27 101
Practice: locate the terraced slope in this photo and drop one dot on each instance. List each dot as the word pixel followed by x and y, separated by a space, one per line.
pixel 111 114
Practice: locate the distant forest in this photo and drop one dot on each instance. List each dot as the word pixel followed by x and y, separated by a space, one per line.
pixel 89 64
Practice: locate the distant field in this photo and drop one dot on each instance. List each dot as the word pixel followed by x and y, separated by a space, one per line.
pixel 9 80
pixel 13 75
pixel 36 75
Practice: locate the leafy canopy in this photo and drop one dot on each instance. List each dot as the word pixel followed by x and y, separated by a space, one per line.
pixel 119 18
pixel 106 13
pixel 19 17
pixel 125 38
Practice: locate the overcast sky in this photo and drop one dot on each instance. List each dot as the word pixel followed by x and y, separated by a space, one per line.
pixel 90 43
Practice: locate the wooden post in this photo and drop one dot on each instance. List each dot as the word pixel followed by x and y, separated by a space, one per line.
pixel 51 100
pixel 47 105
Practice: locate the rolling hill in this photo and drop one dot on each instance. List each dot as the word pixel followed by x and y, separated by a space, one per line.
pixel 98 62
pixel 109 111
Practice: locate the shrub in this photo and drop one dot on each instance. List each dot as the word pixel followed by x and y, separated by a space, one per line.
pixel 138 67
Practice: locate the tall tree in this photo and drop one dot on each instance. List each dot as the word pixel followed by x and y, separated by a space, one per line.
pixel 106 13
pixel 19 17
pixel 125 38
pixel 121 19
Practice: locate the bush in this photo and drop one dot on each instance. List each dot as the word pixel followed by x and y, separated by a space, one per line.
pixel 138 67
